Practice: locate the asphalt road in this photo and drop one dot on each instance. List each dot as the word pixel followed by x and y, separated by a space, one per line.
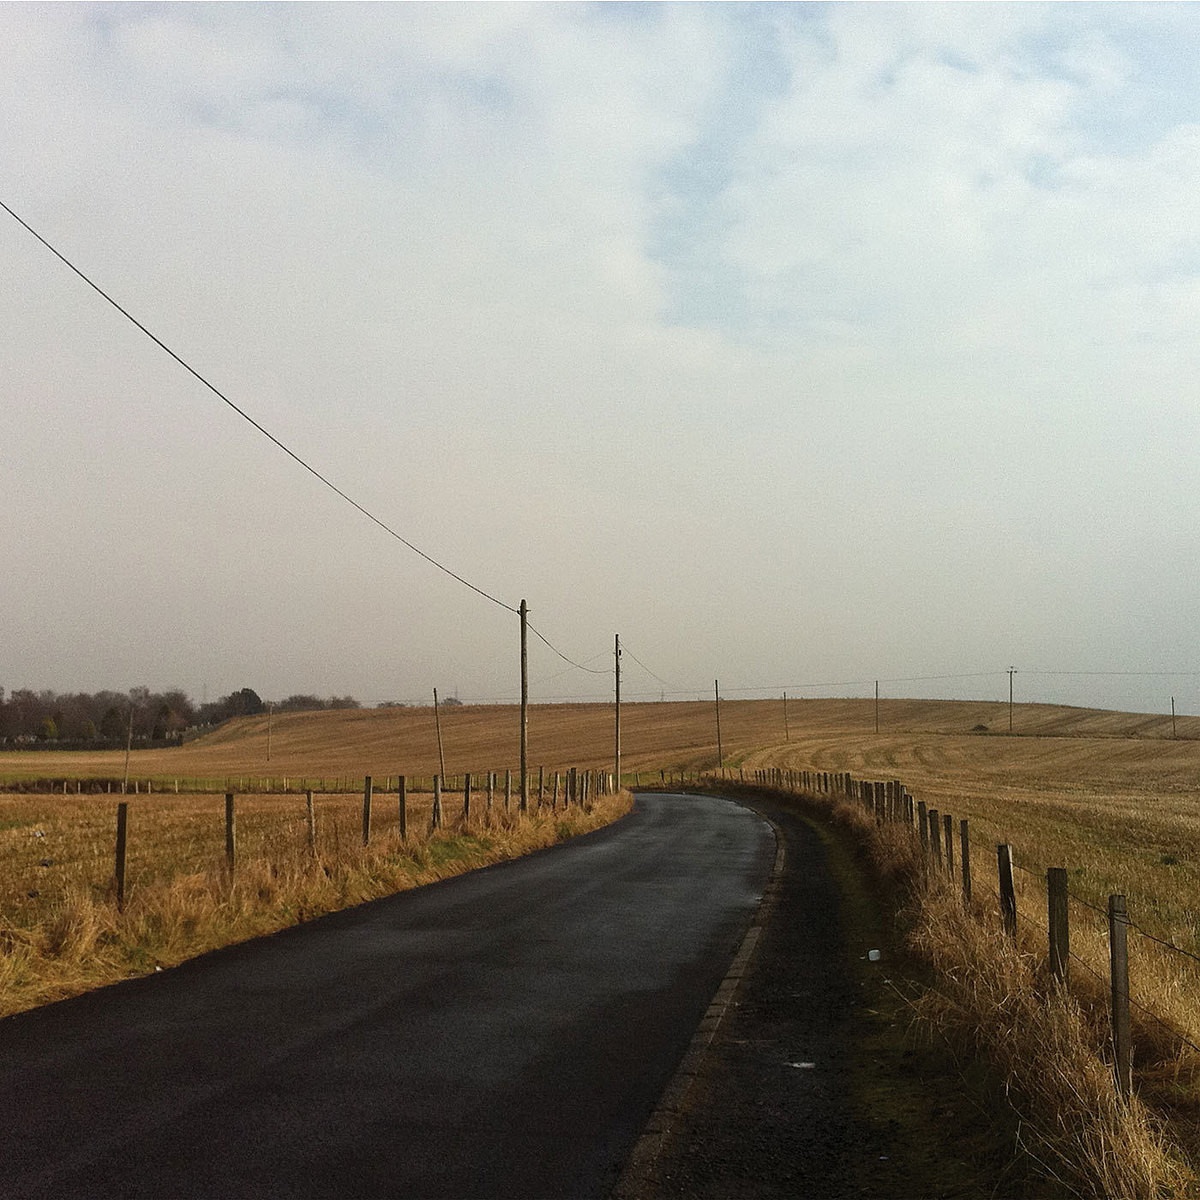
pixel 505 1033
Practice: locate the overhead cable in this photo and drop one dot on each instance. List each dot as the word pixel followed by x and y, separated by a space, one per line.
pixel 250 420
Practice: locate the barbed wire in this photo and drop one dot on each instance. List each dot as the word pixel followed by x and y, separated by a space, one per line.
pixel 1166 945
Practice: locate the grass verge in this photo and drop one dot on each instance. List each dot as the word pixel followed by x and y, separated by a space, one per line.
pixel 1032 1051
pixel 69 938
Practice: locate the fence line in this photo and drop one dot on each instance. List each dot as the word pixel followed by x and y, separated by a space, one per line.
pixel 86 851
pixel 890 803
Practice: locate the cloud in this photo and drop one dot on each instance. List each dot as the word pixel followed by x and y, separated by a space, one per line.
pixel 879 304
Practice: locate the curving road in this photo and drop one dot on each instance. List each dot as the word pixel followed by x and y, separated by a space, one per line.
pixel 505 1033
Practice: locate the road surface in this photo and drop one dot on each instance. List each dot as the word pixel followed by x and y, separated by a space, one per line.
pixel 505 1033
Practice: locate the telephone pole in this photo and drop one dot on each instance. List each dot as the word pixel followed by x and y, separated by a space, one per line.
pixel 524 614
pixel 617 718
pixel 128 747
pixel 1011 671
pixel 437 720
pixel 720 752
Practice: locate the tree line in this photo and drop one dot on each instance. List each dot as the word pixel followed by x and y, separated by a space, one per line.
pixel 103 718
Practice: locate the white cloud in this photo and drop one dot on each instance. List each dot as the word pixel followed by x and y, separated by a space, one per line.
pixel 850 297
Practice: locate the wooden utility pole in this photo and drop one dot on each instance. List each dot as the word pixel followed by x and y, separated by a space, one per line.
pixel 1173 733
pixel 128 747
pixel 270 712
pixel 437 720
pixel 877 706
pixel 617 718
pixel 787 736
pixel 720 752
pixel 524 615
pixel 1011 670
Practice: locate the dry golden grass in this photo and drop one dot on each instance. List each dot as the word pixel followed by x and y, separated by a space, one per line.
pixel 61 933
pixel 1043 1048
pixel 1110 796
pixel 383 742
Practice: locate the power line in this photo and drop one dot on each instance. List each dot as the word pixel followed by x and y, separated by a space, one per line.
pixel 1135 674
pixel 626 650
pixel 542 637
pixel 568 670
pixel 250 420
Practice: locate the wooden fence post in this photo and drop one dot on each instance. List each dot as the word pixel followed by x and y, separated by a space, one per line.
pixel 366 822
pixel 467 800
pixel 507 788
pixel 935 835
pixel 230 851
pixel 1118 923
pixel 923 824
pixel 491 791
pixel 554 801
pixel 948 826
pixel 402 789
pixel 541 786
pixel 122 827
pixel 1008 894
pixel 964 839
pixel 1058 923
pixel 436 821
pixel 311 814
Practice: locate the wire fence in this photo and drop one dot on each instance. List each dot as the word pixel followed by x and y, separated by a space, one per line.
pixel 1156 978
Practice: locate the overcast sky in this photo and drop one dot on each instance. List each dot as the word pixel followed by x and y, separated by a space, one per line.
pixel 797 344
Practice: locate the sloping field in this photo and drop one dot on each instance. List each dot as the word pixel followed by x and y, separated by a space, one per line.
pixel 930 744
pixel 384 742
pixel 1110 795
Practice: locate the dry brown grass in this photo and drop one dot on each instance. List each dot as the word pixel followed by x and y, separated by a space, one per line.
pixel 61 933
pixel 1043 1049
pixel 1108 795
pixel 382 742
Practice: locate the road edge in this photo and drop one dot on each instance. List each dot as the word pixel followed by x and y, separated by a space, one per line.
pixel 640 1164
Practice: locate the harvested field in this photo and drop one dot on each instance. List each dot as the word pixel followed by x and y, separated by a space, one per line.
pixel 1109 795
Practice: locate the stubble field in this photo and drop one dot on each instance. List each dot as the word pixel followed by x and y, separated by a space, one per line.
pixel 1111 796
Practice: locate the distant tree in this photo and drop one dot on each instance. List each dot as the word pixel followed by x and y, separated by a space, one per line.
pixel 49 730
pixel 245 703
pixel 112 724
